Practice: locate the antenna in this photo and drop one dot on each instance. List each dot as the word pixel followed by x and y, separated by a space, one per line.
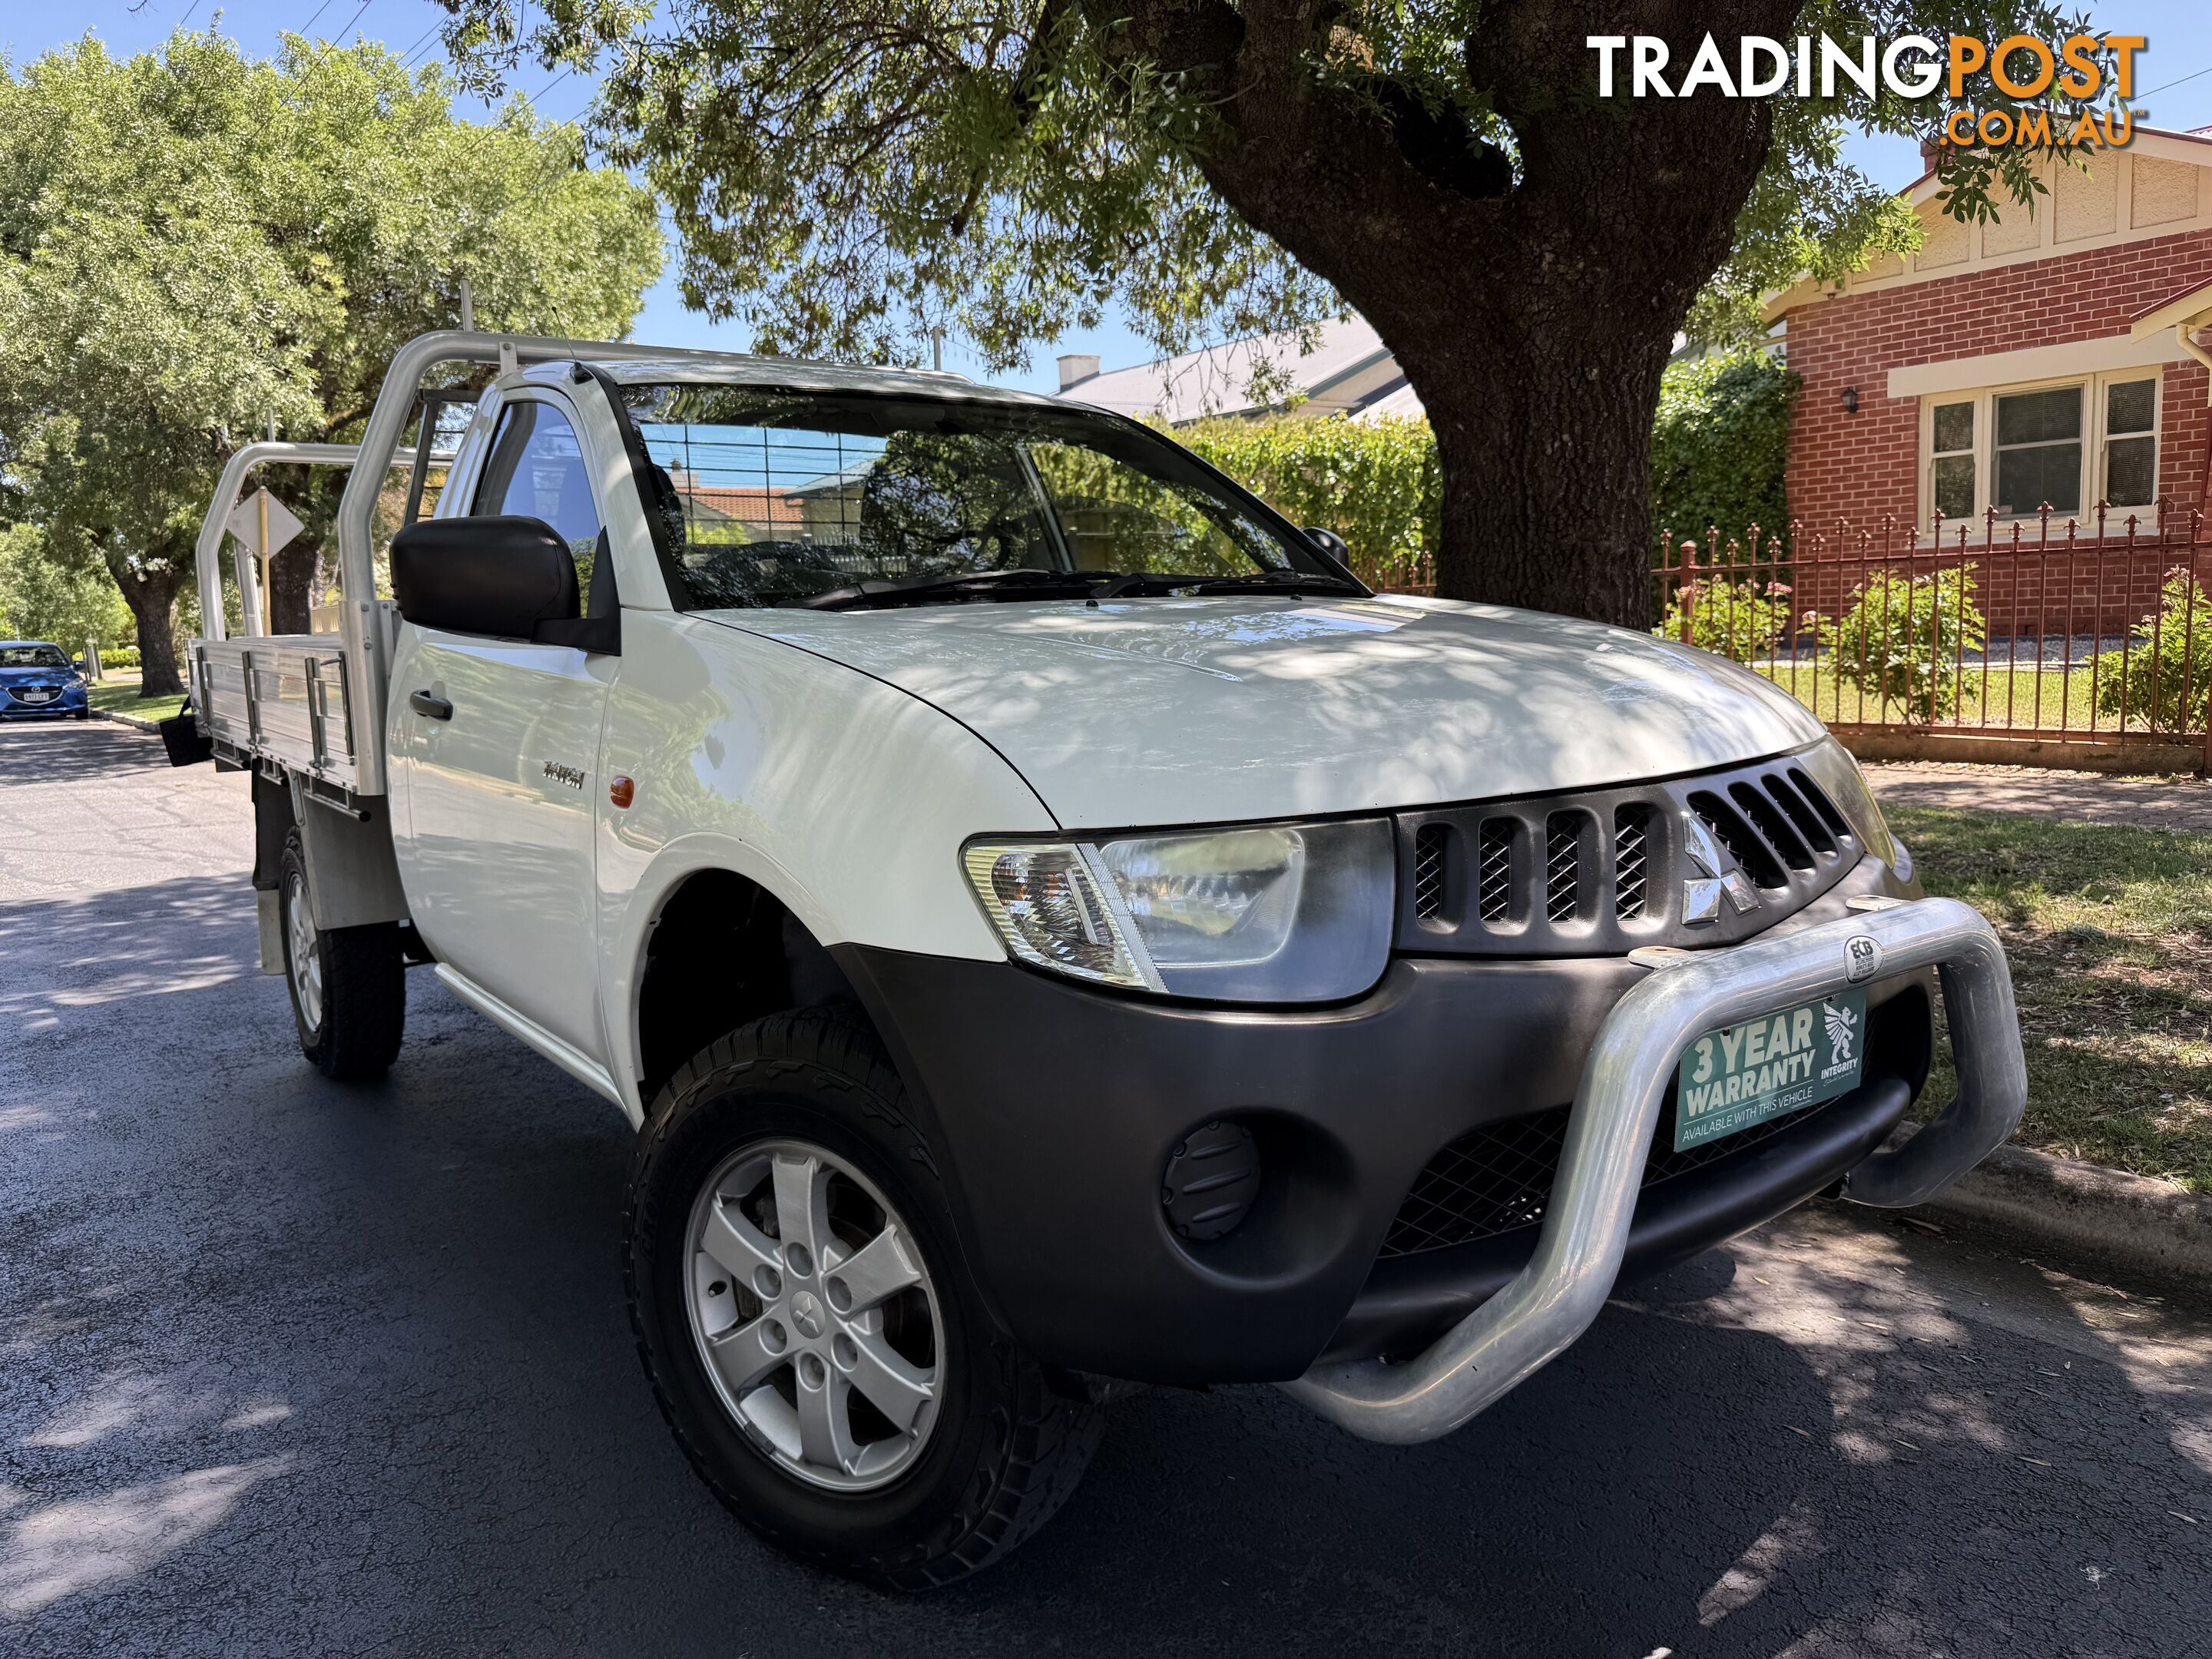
pixel 468 308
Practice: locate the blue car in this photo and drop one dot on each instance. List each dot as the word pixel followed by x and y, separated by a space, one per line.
pixel 36 681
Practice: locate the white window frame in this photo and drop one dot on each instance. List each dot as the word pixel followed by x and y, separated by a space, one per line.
pixel 2093 440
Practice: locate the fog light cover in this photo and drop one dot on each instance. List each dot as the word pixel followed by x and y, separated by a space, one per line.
pixel 1212 1178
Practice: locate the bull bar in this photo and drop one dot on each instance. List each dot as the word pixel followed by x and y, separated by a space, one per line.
pixel 1616 1110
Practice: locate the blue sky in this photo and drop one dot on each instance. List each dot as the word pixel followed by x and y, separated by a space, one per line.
pixel 2179 33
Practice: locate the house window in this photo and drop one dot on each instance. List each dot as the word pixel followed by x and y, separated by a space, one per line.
pixel 2131 442
pixel 2014 448
pixel 2040 451
pixel 1953 458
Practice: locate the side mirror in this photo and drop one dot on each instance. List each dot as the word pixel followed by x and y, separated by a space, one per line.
pixel 1330 543
pixel 501 576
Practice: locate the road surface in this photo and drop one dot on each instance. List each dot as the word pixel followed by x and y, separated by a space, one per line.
pixel 293 1369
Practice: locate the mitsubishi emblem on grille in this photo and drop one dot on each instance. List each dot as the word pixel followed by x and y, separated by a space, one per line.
pixel 1701 894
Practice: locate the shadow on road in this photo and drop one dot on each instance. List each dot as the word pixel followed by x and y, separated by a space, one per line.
pixel 298 1367
pixel 68 752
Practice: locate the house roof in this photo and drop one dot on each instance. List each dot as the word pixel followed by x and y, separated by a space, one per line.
pixel 2184 305
pixel 2156 143
pixel 1348 372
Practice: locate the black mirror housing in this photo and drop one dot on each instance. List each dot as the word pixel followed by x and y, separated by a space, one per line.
pixel 504 576
pixel 1329 542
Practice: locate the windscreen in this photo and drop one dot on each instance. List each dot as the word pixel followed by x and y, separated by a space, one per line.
pixel 771 497
pixel 31 656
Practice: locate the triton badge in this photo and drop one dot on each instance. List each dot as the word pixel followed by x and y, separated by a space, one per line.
pixel 568 775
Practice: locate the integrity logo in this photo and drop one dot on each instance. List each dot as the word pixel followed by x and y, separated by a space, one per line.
pixel 2078 68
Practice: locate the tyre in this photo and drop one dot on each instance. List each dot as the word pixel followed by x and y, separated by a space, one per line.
pixel 348 984
pixel 809 1327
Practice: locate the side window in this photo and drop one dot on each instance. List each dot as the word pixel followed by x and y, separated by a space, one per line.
pixel 535 471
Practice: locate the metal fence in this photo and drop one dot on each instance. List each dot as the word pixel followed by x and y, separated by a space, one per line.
pixel 2053 640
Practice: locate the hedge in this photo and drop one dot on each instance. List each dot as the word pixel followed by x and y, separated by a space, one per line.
pixel 1374 482
pixel 1720 444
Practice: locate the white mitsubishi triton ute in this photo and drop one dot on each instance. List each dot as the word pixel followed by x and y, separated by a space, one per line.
pixel 1052 927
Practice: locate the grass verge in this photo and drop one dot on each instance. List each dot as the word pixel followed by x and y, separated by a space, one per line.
pixel 121 698
pixel 2109 928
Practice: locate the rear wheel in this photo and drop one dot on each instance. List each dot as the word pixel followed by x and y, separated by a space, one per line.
pixel 348 984
pixel 808 1325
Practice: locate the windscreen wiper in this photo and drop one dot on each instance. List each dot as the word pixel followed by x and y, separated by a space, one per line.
pixel 1140 582
pixel 914 590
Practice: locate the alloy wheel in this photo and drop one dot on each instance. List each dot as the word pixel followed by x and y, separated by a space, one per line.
pixel 815 1315
pixel 304 958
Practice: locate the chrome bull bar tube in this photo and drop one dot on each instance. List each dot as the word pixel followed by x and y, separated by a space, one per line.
pixel 1624 1085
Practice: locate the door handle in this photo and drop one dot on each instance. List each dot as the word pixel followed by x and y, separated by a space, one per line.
pixel 424 703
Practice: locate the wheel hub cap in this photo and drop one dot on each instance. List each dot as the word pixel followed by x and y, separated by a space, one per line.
pixel 806 1314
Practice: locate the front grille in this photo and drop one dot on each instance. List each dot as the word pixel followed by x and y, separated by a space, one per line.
pixel 1599 872
pixel 1499 1176
pixel 1429 870
pixel 1632 862
pixel 36 696
pixel 1496 871
pixel 1563 866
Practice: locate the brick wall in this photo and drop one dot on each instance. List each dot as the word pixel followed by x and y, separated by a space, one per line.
pixel 1865 466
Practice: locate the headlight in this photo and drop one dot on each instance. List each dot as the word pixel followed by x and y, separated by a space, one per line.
pixel 1277 913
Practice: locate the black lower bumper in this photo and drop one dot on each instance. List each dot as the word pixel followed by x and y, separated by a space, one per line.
pixel 1056 1109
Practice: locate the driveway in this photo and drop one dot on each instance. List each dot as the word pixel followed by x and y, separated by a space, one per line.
pixel 295 1369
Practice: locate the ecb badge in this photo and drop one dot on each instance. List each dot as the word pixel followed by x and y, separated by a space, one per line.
pixel 1862 959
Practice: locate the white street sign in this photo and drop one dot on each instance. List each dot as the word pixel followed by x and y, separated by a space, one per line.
pixel 263 524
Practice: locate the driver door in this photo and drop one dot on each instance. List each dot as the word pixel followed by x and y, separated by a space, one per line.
pixel 496 745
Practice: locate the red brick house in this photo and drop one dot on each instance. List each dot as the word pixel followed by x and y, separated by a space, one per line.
pixel 2047 356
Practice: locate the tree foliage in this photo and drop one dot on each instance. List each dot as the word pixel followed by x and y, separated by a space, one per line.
pixel 43 598
pixel 1720 444
pixel 193 243
pixel 848 177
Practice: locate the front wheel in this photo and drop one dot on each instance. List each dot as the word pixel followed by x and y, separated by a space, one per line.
pixel 808 1325
pixel 349 984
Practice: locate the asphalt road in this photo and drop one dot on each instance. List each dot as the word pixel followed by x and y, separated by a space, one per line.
pixel 293 1369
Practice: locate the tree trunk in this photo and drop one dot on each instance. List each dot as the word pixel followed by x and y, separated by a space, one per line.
pixel 1546 469
pixel 151 594
pixel 1531 298
pixel 291 580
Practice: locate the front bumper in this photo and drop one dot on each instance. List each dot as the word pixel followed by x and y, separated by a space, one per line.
pixel 72 700
pixel 1056 1109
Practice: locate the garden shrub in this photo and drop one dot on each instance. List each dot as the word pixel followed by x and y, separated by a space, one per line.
pixel 1742 619
pixel 2162 677
pixel 1903 637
